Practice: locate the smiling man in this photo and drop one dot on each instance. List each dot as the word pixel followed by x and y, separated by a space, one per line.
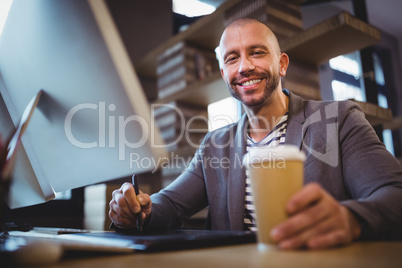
pixel 252 63
pixel 252 66
pixel 353 185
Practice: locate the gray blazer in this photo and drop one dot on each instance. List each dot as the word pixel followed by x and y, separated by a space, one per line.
pixel 344 155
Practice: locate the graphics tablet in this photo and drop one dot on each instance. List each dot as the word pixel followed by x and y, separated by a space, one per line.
pixel 150 241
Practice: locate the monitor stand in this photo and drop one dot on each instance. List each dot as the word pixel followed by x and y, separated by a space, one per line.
pixel 8 152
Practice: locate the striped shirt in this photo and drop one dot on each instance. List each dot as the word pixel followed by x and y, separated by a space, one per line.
pixel 274 138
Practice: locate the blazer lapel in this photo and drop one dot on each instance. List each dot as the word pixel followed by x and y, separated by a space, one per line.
pixel 237 177
pixel 295 132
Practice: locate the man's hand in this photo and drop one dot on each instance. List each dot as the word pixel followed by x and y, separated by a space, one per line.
pixel 125 205
pixel 316 220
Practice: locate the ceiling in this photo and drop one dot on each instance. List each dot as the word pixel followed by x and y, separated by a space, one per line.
pixel 384 14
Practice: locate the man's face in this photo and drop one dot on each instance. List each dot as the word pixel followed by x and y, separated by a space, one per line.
pixel 252 63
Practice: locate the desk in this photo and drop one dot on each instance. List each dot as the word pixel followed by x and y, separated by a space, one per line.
pixel 362 254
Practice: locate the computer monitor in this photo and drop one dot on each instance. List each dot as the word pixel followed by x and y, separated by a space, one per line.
pixel 93 123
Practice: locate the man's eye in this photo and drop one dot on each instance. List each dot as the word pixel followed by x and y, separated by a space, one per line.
pixel 258 53
pixel 231 59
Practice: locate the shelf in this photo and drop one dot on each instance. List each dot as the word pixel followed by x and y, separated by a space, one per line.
pixel 394 124
pixel 202 93
pixel 375 114
pixel 205 33
pixel 336 36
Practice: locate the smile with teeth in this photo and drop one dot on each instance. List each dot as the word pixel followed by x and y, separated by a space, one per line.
pixel 251 82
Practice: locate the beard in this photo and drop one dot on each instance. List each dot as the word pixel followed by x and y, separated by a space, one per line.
pixel 270 87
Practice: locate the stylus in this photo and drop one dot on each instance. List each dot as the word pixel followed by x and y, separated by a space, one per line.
pixel 139 215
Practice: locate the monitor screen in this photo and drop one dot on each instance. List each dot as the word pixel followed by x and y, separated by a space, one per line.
pixel 93 122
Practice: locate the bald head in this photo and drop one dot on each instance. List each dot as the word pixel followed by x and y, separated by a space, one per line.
pixel 251 62
pixel 240 27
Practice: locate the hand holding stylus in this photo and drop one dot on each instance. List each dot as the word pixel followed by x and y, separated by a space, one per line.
pixel 126 207
pixel 137 193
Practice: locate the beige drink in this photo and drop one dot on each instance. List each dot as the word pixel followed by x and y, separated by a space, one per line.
pixel 276 173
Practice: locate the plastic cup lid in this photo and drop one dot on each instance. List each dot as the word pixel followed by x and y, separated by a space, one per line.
pixel 267 153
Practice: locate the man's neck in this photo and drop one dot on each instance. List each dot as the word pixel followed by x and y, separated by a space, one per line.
pixel 264 118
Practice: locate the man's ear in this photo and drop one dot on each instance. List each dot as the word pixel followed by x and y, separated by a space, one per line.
pixel 222 73
pixel 283 64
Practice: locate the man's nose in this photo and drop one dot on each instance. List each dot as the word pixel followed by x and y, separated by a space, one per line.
pixel 245 65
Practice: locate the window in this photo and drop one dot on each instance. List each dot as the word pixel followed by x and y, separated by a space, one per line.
pixel 223 112
pixel 382 99
pixel 346 77
pixel 347 64
pixel 192 8
pixel 4 9
pixel 346 84
pixel 344 91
